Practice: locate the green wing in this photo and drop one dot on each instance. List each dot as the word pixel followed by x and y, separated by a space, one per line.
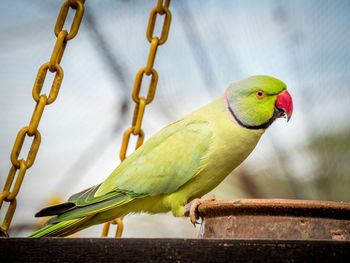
pixel 85 204
pixel 164 163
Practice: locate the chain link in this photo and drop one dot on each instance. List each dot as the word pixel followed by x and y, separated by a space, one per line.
pixel 153 18
pixel 42 100
pixel 61 19
pixel 141 102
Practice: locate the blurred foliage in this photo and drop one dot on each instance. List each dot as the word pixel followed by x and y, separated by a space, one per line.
pixel 332 173
pixel 327 176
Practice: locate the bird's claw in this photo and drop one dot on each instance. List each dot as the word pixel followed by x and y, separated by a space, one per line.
pixel 191 209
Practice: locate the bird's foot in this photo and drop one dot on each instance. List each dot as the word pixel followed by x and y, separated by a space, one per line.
pixel 191 209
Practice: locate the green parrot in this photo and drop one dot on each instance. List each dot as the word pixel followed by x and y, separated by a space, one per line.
pixel 182 162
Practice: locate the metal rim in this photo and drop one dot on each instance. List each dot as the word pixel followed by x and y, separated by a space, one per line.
pixel 276 207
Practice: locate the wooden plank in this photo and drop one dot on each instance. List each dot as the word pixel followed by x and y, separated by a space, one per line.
pixel 170 250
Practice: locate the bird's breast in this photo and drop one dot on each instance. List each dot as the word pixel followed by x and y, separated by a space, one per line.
pixel 230 145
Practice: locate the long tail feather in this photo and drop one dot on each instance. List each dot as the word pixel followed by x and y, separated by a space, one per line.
pixel 63 228
pixel 55 210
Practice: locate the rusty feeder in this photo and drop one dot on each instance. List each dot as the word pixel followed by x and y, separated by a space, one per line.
pixel 277 219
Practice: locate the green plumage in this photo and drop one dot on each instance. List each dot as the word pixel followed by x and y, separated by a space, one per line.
pixel 183 161
pixel 138 174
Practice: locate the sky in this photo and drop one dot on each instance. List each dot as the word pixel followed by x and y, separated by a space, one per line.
pixel 211 44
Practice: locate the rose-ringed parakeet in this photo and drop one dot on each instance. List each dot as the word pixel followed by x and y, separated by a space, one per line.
pixel 183 161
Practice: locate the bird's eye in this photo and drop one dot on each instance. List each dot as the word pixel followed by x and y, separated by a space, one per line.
pixel 260 94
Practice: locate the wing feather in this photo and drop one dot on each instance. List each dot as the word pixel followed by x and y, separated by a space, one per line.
pixel 165 162
pixel 162 165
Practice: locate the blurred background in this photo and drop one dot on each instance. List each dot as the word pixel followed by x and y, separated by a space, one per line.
pixel 211 44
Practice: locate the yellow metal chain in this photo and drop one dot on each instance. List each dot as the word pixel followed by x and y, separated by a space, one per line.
pixel 141 102
pixel 41 101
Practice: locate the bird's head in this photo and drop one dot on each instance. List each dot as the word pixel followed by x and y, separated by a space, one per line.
pixel 255 102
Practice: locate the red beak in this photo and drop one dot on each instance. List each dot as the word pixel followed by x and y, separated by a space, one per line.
pixel 284 102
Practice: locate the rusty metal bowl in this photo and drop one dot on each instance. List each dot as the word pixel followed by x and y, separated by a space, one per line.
pixel 275 219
